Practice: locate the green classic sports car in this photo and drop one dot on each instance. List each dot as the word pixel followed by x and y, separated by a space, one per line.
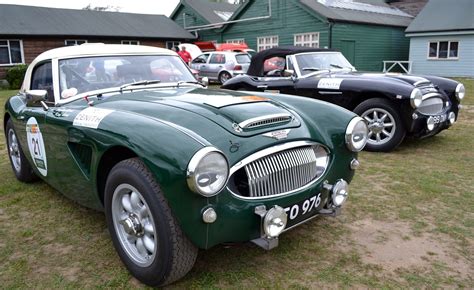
pixel 176 166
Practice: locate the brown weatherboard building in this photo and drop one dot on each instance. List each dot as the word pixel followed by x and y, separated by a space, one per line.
pixel 27 31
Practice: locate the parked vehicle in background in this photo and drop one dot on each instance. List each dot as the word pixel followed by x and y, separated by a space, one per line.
pixel 193 49
pixel 393 105
pixel 221 65
pixel 207 46
pixel 177 166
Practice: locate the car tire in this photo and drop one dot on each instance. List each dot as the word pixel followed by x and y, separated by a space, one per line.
pixel 20 165
pixel 144 232
pixel 386 130
pixel 224 76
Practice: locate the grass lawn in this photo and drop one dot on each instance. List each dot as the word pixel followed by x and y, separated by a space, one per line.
pixel 409 222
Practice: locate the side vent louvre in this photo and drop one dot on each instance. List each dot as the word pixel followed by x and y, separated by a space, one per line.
pixel 83 156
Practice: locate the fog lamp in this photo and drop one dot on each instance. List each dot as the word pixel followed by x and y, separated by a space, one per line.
pixel 340 190
pixel 430 123
pixel 274 222
pixel 209 216
pixel 452 118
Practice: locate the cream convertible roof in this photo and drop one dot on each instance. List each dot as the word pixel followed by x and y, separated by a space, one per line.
pixel 91 49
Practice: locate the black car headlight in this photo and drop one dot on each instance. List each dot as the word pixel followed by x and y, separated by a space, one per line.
pixel 416 98
pixel 356 134
pixel 460 91
pixel 207 172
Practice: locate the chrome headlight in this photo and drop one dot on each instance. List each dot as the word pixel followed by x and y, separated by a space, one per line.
pixel 416 98
pixel 207 172
pixel 460 91
pixel 356 134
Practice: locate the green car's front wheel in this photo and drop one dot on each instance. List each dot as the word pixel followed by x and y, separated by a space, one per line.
pixel 20 165
pixel 144 232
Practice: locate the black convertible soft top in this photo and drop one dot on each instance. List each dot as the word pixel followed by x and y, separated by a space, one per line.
pixel 256 66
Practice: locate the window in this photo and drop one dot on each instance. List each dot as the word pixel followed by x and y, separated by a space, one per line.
pixel 131 42
pixel 236 41
pixel 266 42
pixel 72 42
pixel 201 59
pixel 307 39
pixel 11 52
pixel 443 50
pixel 217 58
pixel 42 79
pixel 171 44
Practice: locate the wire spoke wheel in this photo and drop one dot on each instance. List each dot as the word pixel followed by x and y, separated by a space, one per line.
pixel 134 225
pixel 382 126
pixel 14 150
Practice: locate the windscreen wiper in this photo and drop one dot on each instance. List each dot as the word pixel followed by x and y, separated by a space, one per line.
pixel 139 83
pixel 336 66
pixel 311 69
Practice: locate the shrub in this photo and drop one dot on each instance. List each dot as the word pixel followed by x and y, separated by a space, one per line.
pixel 15 76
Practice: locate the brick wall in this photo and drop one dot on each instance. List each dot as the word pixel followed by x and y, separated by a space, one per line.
pixel 32 47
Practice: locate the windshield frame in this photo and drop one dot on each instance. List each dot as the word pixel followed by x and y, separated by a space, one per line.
pixel 301 75
pixel 58 101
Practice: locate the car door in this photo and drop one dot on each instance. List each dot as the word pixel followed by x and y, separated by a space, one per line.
pixel 216 64
pixel 200 64
pixel 31 121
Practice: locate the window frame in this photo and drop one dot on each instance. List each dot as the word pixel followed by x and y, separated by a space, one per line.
pixel 448 57
pixel 129 42
pixel 235 40
pixel 302 42
pixel 173 44
pixel 267 45
pixel 75 41
pixel 22 54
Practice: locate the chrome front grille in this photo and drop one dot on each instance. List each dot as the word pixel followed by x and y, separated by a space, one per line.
pixel 431 106
pixel 281 172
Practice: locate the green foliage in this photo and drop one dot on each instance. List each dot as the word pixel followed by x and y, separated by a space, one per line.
pixel 15 76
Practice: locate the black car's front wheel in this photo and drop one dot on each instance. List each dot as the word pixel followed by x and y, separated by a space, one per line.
pixel 386 130
pixel 144 232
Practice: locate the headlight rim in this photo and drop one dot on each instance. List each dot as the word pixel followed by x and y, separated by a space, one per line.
pixel 194 163
pixel 349 132
pixel 458 90
pixel 413 98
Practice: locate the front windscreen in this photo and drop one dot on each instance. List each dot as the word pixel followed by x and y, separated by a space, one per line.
pixel 80 75
pixel 312 62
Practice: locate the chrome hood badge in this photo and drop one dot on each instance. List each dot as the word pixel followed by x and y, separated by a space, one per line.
pixel 280 134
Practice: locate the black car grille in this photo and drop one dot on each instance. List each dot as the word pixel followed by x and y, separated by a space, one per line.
pixel 431 106
pixel 280 172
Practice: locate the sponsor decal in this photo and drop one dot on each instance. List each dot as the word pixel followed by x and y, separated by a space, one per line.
pixel 280 134
pixel 330 83
pixel 91 117
pixel 36 146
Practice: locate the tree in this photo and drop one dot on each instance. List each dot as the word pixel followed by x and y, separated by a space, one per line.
pixel 102 8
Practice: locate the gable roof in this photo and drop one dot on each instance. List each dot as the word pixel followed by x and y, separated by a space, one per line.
pixel 360 11
pixel 42 21
pixel 212 12
pixel 442 15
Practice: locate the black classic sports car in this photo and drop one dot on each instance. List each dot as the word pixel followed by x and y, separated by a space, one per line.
pixel 394 105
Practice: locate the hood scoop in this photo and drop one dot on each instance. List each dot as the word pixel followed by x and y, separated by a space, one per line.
pixel 268 120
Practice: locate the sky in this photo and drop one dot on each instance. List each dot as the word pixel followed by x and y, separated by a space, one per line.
pixel 134 6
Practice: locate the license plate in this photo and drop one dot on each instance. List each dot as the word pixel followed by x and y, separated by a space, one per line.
pixel 302 210
pixel 439 119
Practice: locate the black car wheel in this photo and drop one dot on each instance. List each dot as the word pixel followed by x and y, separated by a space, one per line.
pixel 21 166
pixel 144 232
pixel 386 130
pixel 224 76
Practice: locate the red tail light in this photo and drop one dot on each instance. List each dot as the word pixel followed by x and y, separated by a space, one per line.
pixel 238 67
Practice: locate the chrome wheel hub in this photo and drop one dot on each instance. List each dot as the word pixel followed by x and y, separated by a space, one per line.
pixel 381 125
pixel 14 150
pixel 134 225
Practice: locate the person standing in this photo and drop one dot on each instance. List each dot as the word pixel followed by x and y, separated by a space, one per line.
pixel 184 54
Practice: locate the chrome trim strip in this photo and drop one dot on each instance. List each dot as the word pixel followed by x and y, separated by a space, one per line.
pixel 283 163
pixel 425 81
pixel 300 223
pixel 248 123
pixel 330 93
pixel 431 95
